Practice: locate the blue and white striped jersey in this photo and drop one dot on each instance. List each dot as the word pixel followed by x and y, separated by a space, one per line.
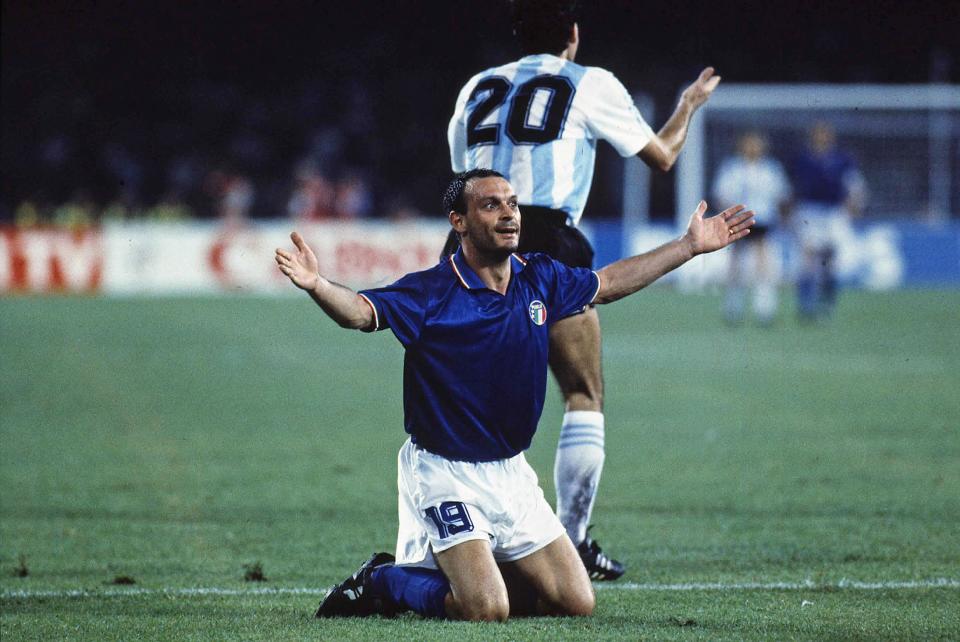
pixel 537 121
pixel 761 184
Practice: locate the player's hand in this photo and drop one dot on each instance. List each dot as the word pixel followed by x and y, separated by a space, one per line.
pixel 301 266
pixel 711 234
pixel 698 93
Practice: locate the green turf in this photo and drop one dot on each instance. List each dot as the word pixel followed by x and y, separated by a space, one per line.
pixel 175 441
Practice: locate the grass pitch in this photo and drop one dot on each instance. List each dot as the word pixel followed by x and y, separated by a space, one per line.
pixel 184 443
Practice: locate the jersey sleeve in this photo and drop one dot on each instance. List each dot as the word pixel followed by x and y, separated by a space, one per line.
pixel 611 114
pixel 570 290
pixel 457 130
pixel 400 307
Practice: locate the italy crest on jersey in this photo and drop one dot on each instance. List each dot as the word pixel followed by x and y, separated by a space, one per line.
pixel 538 312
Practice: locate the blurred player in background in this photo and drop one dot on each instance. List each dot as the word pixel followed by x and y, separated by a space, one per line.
pixel 537 121
pixel 753 177
pixel 830 191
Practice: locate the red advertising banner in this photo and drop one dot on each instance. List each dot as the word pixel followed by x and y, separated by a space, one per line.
pixel 198 258
pixel 43 259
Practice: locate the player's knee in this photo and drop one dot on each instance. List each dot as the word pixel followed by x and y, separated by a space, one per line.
pixel 580 604
pixel 584 607
pixel 486 608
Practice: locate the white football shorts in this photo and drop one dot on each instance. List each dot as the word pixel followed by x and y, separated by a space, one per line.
pixel 443 503
pixel 821 227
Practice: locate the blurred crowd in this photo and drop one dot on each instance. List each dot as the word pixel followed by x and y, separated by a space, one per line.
pixel 213 151
pixel 116 110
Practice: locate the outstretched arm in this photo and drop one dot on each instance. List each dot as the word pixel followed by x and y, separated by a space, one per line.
pixel 343 305
pixel 662 151
pixel 625 277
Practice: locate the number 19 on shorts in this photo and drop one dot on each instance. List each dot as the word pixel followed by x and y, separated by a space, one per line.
pixel 450 518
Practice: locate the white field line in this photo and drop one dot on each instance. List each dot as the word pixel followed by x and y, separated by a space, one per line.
pixel 808 585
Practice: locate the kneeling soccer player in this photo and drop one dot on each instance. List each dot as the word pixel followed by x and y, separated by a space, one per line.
pixel 477 540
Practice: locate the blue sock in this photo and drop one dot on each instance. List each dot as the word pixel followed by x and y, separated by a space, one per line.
pixel 807 294
pixel 422 590
pixel 828 293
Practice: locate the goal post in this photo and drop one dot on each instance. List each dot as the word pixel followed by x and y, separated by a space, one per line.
pixel 905 138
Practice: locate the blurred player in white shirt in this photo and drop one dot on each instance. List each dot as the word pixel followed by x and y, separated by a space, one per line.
pixel 537 121
pixel 753 177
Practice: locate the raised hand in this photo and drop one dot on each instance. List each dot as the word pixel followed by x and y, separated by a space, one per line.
pixel 300 266
pixel 698 93
pixel 711 234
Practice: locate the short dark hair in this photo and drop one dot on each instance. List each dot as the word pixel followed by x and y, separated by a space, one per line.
pixel 543 26
pixel 453 200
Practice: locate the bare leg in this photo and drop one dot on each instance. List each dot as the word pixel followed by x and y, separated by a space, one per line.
pixel 765 288
pixel 575 361
pixel 734 295
pixel 551 581
pixel 807 285
pixel 557 578
pixel 477 589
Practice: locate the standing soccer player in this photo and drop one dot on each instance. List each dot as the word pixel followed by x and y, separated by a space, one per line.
pixel 753 177
pixel 830 191
pixel 537 121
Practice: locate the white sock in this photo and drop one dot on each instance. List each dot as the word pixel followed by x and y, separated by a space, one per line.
pixel 733 303
pixel 576 472
pixel 765 302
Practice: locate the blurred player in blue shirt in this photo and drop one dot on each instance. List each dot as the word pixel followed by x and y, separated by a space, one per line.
pixel 476 538
pixel 753 177
pixel 537 121
pixel 829 191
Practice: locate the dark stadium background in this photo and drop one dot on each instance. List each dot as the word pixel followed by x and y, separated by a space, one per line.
pixel 152 99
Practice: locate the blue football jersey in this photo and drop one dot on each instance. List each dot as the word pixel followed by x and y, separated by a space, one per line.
pixel 475 360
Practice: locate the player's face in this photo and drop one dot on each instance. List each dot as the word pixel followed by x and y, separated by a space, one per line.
pixel 822 138
pixel 492 223
pixel 752 147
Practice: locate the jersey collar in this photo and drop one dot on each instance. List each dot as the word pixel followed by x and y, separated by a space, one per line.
pixel 541 56
pixel 469 279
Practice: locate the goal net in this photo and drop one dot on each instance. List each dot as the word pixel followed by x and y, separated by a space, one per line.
pixel 905 140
